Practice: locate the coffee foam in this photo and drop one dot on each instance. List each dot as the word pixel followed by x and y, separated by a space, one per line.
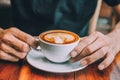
pixel 59 38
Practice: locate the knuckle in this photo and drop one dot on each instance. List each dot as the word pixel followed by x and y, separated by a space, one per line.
pixel 5 48
pixel 27 39
pixel 12 29
pixel 1 44
pixel 2 56
pixel 101 52
pixel 77 49
pixel 86 41
pixel 22 56
pixel 112 56
pixel 25 47
pixel 90 59
pixel 98 33
pixel 5 36
pixel 94 33
pixel 89 49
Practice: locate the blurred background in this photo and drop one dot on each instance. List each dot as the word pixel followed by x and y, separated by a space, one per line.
pixel 5 13
pixel 104 24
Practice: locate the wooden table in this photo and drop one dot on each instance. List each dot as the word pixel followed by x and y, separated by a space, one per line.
pixel 23 71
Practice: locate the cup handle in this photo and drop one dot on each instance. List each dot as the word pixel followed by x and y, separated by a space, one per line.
pixel 38 48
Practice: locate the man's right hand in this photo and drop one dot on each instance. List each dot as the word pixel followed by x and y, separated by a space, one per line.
pixel 14 44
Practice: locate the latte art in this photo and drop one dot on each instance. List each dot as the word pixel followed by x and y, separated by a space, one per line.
pixel 59 38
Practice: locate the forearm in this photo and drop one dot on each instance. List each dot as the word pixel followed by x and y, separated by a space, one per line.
pixel 116 32
pixel 115 36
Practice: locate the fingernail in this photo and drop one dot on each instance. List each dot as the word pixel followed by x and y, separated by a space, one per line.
pixel 73 54
pixel 83 63
pixel 101 67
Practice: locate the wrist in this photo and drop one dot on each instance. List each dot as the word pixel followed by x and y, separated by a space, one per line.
pixel 116 31
pixel 115 38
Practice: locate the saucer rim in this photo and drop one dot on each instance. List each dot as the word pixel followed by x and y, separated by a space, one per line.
pixel 51 71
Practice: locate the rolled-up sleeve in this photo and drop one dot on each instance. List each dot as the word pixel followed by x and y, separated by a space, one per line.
pixel 112 2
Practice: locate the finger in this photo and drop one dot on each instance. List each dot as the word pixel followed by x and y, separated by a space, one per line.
pixel 1 30
pixel 83 43
pixel 74 53
pixel 109 59
pixel 18 44
pixel 78 57
pixel 6 56
pixel 82 38
pixel 23 36
pixel 11 51
pixel 97 44
pixel 93 57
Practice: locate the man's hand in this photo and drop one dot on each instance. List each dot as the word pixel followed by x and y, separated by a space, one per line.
pixel 14 44
pixel 95 47
pixel 98 45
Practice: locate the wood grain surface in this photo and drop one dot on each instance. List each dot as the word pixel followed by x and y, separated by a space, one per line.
pixel 23 71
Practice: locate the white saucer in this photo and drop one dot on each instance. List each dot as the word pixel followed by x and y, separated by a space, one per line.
pixel 37 60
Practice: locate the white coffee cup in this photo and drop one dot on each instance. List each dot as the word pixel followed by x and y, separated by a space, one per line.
pixel 58 51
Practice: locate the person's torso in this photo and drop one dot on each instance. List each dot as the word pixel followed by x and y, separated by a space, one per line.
pixel 36 16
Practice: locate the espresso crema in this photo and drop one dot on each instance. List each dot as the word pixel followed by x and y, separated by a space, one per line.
pixel 59 37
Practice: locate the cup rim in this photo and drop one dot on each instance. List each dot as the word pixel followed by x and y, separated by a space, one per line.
pixel 59 44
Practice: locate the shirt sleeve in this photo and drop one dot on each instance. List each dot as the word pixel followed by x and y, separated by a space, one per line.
pixel 112 2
